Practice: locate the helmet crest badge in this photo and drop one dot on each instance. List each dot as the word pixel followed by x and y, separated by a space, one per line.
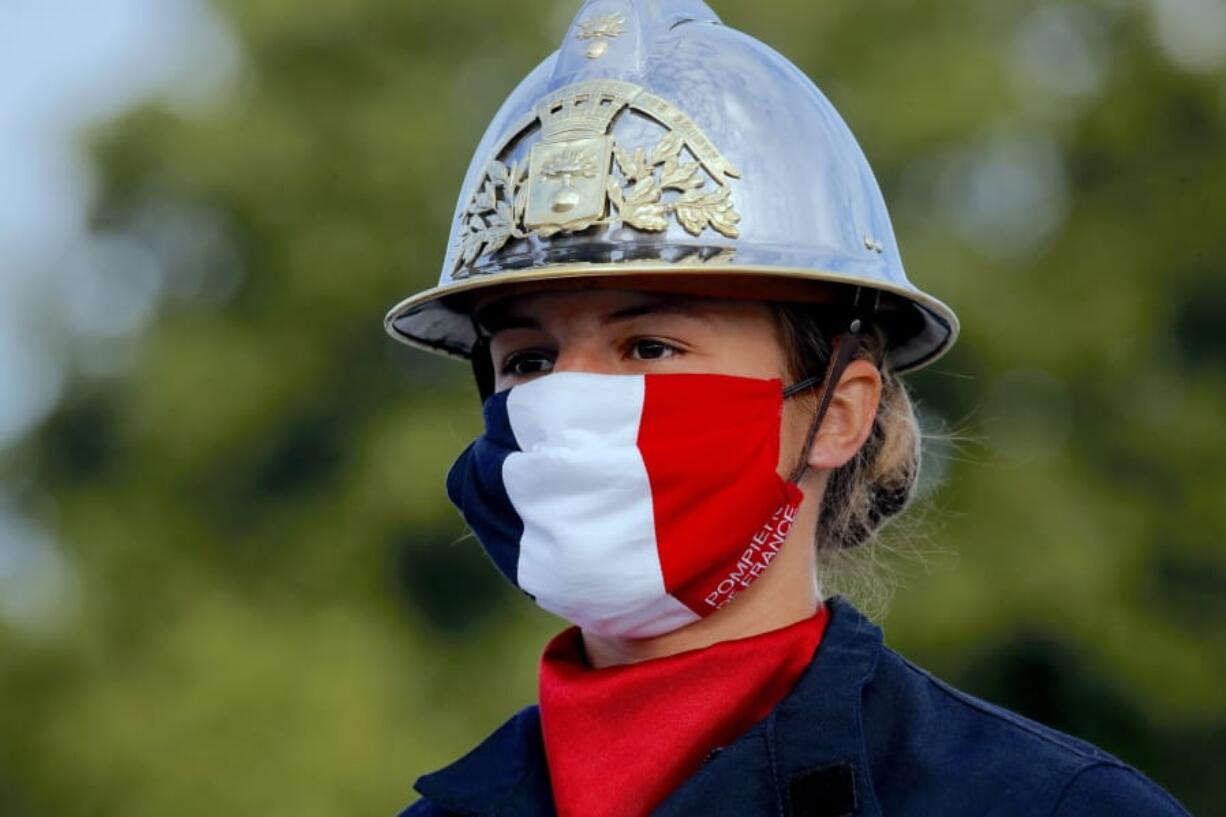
pixel 577 176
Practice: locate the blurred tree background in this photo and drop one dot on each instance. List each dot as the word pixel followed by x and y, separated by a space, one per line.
pixel 260 602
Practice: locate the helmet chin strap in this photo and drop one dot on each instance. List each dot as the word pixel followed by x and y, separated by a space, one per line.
pixel 846 344
pixel 482 363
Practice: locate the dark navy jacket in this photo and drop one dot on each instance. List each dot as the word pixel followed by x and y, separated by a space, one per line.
pixel 864 732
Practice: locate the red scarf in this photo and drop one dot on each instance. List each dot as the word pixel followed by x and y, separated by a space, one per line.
pixel 620 740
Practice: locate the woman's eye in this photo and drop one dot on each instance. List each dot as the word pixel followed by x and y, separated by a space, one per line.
pixel 647 349
pixel 521 364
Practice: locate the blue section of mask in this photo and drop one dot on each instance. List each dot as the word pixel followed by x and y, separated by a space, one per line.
pixel 475 487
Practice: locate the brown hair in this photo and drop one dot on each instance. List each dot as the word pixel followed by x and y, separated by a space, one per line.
pixel 878 482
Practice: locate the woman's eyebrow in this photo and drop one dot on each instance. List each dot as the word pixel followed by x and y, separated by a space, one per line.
pixel 498 318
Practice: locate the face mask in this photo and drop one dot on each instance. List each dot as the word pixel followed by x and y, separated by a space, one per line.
pixel 630 505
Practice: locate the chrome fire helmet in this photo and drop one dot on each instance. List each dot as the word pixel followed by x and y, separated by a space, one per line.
pixel 658 145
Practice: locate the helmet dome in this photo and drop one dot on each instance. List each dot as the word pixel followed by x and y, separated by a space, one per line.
pixel 658 144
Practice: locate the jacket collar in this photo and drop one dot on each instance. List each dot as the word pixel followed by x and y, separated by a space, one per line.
pixel 809 749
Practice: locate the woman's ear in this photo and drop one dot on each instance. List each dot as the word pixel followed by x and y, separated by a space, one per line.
pixel 850 417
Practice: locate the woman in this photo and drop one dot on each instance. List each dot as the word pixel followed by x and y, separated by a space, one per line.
pixel 677 284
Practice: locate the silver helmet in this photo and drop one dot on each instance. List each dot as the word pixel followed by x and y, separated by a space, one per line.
pixel 657 144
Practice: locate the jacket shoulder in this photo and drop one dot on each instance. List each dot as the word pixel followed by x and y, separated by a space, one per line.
pixel 923 734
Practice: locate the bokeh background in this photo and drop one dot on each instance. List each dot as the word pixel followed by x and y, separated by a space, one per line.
pixel 230 582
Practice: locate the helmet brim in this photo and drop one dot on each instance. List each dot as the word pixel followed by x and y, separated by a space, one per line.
pixel 920 328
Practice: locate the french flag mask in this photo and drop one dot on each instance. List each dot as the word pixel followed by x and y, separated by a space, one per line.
pixel 630 505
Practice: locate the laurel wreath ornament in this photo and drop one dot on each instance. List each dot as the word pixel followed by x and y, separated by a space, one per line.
pixel 495 214
pixel 643 206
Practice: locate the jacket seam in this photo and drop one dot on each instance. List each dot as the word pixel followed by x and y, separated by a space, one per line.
pixel 1068 786
pixel 1124 767
pixel 770 753
pixel 866 767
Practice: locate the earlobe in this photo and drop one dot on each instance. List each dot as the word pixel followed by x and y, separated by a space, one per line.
pixel 849 419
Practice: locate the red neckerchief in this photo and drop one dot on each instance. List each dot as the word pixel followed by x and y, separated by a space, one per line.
pixel 619 740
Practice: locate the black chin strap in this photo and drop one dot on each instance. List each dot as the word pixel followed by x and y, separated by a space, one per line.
pixel 846 344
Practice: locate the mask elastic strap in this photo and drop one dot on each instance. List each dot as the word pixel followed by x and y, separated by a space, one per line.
pixel 846 345
pixel 803 385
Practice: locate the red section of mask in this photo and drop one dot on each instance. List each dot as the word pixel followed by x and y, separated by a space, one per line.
pixel 711 447
pixel 620 740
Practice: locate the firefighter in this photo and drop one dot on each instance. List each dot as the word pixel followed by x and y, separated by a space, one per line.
pixel 674 276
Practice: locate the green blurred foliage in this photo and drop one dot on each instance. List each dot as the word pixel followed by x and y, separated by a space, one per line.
pixel 276 612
